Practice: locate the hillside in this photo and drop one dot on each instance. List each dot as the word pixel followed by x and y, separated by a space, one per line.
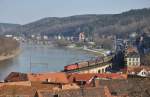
pixel 4 27
pixel 108 24
pixel 7 46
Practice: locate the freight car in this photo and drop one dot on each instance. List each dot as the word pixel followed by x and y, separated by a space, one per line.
pixel 83 64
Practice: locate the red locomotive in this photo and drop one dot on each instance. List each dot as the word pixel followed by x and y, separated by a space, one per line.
pixel 71 67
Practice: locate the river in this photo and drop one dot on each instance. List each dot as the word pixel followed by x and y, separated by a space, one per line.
pixel 41 58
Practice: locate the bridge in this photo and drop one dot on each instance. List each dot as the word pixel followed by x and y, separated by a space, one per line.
pixel 100 67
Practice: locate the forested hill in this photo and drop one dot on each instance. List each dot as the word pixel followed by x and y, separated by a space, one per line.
pixel 124 23
pixel 7 27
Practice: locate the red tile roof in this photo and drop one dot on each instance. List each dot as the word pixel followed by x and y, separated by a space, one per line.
pixel 112 76
pixel 131 49
pixel 81 77
pixel 137 69
pixel 16 76
pixel 56 77
pixel 88 76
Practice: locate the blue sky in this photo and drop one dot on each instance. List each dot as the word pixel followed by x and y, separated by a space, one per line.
pixel 25 11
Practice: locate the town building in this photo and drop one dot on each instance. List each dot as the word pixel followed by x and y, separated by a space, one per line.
pixel 92 79
pixel 142 71
pixel 81 36
pixel 9 36
pixel 16 77
pixel 133 59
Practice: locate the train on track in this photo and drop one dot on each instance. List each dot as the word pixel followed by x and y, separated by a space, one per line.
pixel 83 64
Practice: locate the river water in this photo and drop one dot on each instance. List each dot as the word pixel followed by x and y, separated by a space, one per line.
pixel 41 58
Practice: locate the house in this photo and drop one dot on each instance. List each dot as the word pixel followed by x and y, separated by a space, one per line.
pixel 81 36
pixel 131 49
pixel 15 77
pixel 8 36
pixel 133 59
pixel 142 71
pixel 91 79
pixel 52 77
pixel 57 80
pixel 86 79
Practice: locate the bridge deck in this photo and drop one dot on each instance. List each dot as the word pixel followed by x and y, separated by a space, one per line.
pixel 89 67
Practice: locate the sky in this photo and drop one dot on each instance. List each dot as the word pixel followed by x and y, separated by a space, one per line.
pixel 26 11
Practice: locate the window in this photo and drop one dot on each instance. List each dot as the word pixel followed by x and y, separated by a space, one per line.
pixel 133 59
pixel 129 63
pixel 56 95
pixel 143 73
pixel 129 59
pixel 103 70
pixel 133 64
pixel 137 63
pixel 99 71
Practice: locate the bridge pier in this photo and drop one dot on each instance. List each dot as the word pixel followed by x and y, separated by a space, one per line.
pixel 99 69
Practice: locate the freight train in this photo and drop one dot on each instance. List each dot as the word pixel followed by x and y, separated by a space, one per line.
pixel 83 64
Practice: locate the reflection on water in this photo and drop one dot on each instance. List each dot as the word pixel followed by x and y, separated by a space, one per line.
pixel 39 58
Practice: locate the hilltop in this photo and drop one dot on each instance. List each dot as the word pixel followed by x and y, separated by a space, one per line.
pixel 136 20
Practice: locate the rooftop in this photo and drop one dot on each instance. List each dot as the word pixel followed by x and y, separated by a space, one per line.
pixel 52 77
pixel 16 76
pixel 135 87
pixel 138 69
pixel 88 76
pixel 131 49
pixel 133 55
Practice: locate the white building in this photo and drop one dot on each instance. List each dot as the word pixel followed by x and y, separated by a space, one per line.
pixel 143 73
pixel 59 37
pixel 81 36
pixel 133 59
pixel 45 37
pixel 8 36
pixel 32 36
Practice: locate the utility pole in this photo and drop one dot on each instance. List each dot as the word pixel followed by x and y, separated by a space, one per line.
pixel 82 89
pixel 30 63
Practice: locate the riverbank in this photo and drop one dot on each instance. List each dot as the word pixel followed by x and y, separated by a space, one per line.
pixel 95 52
pixel 13 54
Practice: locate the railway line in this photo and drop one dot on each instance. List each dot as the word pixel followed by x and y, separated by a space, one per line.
pixel 97 65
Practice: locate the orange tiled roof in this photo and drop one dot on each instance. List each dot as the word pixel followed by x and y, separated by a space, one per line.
pixel 131 49
pixel 88 76
pixel 138 69
pixel 56 77
pixel 81 77
pixel 112 76
pixel 16 76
